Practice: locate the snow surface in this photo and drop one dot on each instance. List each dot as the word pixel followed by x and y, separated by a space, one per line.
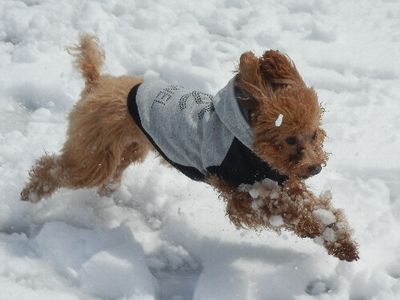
pixel 161 236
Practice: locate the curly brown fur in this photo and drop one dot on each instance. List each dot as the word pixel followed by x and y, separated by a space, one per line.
pixel 101 137
pixel 102 140
pixel 89 58
pixel 298 209
pixel 295 148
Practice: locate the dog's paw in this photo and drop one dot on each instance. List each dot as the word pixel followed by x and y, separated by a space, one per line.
pixel 25 195
pixel 344 250
pixel 28 194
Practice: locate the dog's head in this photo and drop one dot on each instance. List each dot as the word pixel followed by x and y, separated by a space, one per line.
pixel 285 114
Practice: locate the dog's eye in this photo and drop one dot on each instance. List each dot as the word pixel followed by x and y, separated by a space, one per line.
pixel 291 140
pixel 314 136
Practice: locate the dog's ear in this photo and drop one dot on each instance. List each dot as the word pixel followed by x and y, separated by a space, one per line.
pixel 251 80
pixel 249 68
pixel 279 70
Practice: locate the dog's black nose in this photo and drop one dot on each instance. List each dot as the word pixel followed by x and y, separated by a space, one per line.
pixel 315 169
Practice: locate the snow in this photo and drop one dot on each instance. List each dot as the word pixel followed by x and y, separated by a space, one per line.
pixel 325 216
pixel 279 120
pixel 329 235
pixel 160 235
pixel 276 221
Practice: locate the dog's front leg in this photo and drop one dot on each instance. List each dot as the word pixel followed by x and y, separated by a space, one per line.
pixel 293 208
pixel 267 205
pixel 335 232
pixel 240 205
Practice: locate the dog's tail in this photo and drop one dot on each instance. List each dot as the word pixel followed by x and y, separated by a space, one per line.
pixel 89 58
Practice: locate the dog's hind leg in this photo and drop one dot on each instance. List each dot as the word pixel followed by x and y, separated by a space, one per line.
pixel 80 171
pixel 135 152
pixel 45 178
pixel 74 168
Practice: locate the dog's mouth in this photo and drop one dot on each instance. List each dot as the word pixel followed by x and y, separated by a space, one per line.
pixel 304 168
pixel 314 169
pixel 304 172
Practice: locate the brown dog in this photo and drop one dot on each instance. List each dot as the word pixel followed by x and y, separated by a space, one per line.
pixel 259 174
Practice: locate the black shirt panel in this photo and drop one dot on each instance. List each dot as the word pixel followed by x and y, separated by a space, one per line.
pixel 241 165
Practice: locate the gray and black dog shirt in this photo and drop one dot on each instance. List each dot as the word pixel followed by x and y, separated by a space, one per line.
pixel 199 134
